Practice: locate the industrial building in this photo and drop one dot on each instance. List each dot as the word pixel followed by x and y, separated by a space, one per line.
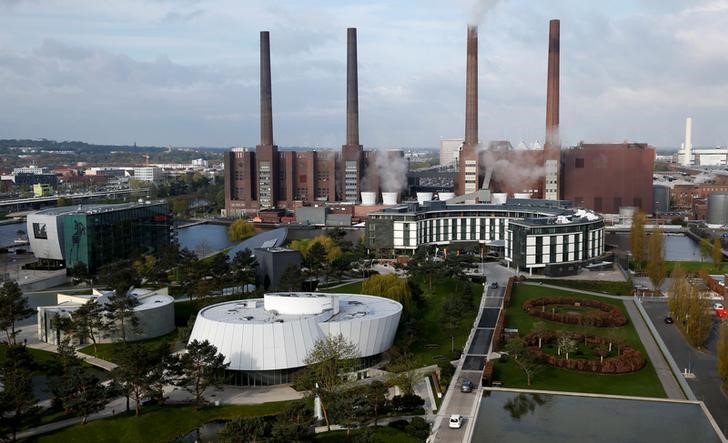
pixel 153 308
pixel 546 236
pixel 266 341
pixel 96 235
pixel 266 178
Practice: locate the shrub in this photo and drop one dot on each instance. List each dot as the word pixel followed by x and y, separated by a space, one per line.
pixel 418 428
pixel 608 315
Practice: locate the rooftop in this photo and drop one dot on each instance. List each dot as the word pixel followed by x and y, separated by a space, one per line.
pixel 93 209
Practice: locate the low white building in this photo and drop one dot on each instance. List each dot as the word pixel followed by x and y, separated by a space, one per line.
pixel 148 174
pixel 154 309
pixel 267 340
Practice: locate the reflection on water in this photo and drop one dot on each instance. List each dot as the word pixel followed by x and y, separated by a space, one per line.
pixel 677 247
pixel 204 239
pixel 532 418
pixel 522 404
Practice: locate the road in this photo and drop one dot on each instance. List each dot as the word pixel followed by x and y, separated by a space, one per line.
pixel 470 366
pixel 703 364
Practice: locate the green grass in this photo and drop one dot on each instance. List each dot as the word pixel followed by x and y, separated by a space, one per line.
pixel 381 434
pixel 697 266
pixel 157 423
pixel 108 351
pixel 641 383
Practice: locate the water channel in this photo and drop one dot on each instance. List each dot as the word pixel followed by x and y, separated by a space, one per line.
pixel 678 247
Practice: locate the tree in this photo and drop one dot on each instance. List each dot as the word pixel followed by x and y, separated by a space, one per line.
pixel 566 344
pixel 88 322
pixel 405 375
pixel 79 273
pixel 705 248
pixel 333 251
pixel 419 265
pixel 539 330
pixel 245 430
pixel 523 358
pixel 291 280
pixel 722 353
pixel 146 267
pixel 82 392
pixel 63 201
pixel 451 316
pixel 121 321
pixel 200 367
pixel 243 268
pixel 13 308
pixel 326 363
pixel 716 253
pixel 17 403
pixel 637 237
pixel 135 364
pixel 376 397
pixel 656 268
pixel 240 229
pixel 698 319
pixel 389 286
pixel 293 424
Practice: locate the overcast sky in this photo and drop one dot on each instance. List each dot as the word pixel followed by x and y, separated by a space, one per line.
pixel 185 72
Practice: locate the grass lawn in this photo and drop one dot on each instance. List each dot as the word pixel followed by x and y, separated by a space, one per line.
pixel 607 287
pixel 433 342
pixel 107 351
pixel 157 423
pixel 383 434
pixel 696 266
pixel 642 383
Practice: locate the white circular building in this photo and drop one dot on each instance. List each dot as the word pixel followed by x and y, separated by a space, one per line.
pixel 267 340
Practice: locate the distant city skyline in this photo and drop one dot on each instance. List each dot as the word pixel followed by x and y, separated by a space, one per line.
pixel 186 73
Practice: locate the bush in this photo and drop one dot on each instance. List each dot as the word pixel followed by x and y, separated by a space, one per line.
pixel 407 403
pixel 418 428
pixel 610 315
pixel 446 369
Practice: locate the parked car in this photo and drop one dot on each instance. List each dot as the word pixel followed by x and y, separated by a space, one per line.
pixel 668 320
pixel 456 421
pixel 718 306
pixel 467 386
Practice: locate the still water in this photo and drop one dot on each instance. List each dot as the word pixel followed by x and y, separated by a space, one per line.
pixel 8 233
pixel 532 418
pixel 677 247
pixel 204 239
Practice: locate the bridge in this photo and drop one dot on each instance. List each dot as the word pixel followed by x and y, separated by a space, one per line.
pixel 20 204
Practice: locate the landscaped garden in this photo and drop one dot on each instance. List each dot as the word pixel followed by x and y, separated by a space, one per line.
pixel 602 358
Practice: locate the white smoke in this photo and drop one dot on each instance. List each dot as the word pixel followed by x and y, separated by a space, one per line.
pixel 392 169
pixel 517 174
pixel 477 9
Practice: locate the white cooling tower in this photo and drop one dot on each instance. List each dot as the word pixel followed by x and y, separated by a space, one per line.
pixel 389 198
pixel 444 196
pixel 424 197
pixel 499 198
pixel 368 198
pixel 523 195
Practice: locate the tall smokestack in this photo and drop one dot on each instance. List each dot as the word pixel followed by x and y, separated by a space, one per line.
pixel 352 90
pixel 468 168
pixel 688 150
pixel 471 89
pixel 552 146
pixel 266 101
pixel 349 183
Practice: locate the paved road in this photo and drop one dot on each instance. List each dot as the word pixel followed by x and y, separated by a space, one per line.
pixel 706 384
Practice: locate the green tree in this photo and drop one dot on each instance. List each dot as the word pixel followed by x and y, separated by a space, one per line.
pixel 656 268
pixel 294 424
pixel 327 362
pixel 17 403
pixel 121 320
pixel 705 248
pixel 200 367
pixel 81 392
pixel 637 237
pixel 63 201
pixel 451 316
pixel 13 308
pixel 523 358
pixel 135 364
pixel 291 280
pixel 88 322
pixel 243 267
pixel 246 430
pixel 405 375
pixel 389 286
pixel 722 352
pixel 716 253
pixel 376 396
pixel 240 229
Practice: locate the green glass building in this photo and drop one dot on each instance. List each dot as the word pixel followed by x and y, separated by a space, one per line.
pixel 99 234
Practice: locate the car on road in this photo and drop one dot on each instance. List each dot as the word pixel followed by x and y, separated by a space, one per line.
pixel 668 320
pixel 456 421
pixel 467 386
pixel 718 306
pixel 494 285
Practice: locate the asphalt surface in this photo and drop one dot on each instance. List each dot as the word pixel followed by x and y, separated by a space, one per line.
pixel 703 363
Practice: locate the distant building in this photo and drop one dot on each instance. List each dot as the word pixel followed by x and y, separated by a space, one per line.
pixel 273 263
pixel 148 174
pixel 96 235
pixel 41 189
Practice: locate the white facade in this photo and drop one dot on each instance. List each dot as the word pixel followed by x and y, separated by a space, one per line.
pixel 148 174
pixel 278 331
pixel 450 150
pixel 44 234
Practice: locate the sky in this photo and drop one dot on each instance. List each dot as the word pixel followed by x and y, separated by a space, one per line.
pixel 186 72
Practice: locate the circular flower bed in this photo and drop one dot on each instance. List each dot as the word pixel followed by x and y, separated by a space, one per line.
pixel 603 315
pixel 628 359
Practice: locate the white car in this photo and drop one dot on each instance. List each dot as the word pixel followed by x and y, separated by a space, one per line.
pixel 456 421
pixel 718 306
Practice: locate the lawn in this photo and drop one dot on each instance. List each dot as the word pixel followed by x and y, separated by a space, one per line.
pixel 697 266
pixel 641 383
pixel 607 287
pixel 380 434
pixel 433 342
pixel 107 351
pixel 157 423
